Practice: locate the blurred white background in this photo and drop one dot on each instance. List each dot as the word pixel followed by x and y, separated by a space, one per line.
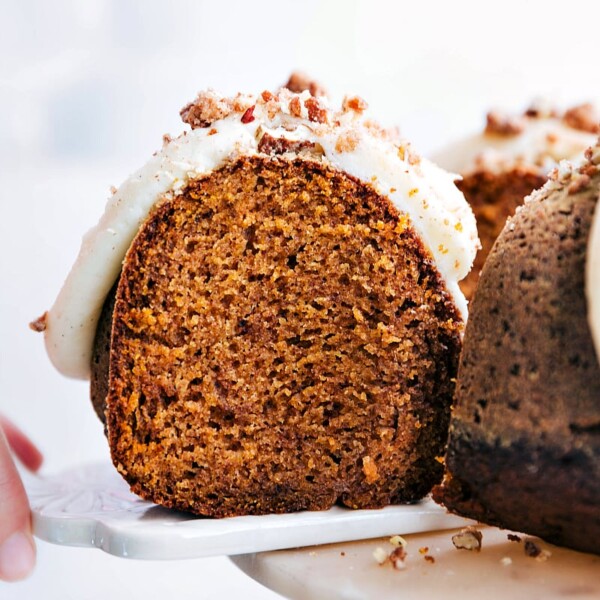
pixel 88 87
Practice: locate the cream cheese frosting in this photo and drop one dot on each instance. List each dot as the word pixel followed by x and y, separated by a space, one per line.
pixel 539 141
pixel 592 268
pixel 346 140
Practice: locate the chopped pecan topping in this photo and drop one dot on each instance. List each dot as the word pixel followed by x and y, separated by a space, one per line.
pixel 299 82
pixel 267 96
pixel 295 107
pixel 584 117
pixel 316 112
pixel 207 108
pixel 541 109
pixel 502 124
pixel 579 184
pixel 589 169
pixel 248 116
pixel 355 103
pixel 40 323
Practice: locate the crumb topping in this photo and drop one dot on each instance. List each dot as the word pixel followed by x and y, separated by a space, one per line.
pixel 535 140
pixel 300 82
pixel 502 124
pixel 207 108
pixel 580 183
pixel 316 111
pixel 355 103
pixel 273 123
pixel 302 105
pixel 584 117
pixel 575 179
pixel 541 109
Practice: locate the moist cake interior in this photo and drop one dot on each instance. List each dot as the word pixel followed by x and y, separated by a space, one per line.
pixel 280 340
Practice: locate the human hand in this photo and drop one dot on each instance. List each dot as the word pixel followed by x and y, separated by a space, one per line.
pixel 17 548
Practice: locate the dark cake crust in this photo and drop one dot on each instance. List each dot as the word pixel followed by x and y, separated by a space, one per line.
pixel 281 340
pixel 524 445
pixel 101 357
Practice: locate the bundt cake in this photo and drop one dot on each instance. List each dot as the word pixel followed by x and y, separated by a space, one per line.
pixel 524 445
pixel 510 159
pixel 269 311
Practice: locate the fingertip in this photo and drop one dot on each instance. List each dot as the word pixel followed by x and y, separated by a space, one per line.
pixel 17 556
pixel 35 460
pixel 22 446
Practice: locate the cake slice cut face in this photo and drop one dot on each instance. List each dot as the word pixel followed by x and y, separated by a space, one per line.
pixel 284 328
pixel 280 341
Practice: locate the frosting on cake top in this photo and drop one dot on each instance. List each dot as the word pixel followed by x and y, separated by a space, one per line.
pixel 539 139
pixel 285 123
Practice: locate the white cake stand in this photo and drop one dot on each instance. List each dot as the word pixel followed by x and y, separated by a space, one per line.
pixel 501 571
pixel 91 506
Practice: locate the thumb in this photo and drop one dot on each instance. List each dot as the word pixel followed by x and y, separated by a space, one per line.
pixel 17 549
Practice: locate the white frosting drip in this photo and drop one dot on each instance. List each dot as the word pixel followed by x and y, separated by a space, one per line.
pixel 438 211
pixel 543 143
pixel 592 271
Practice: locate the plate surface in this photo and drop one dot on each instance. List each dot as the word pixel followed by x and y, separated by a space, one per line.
pixel 91 506
pixel 501 571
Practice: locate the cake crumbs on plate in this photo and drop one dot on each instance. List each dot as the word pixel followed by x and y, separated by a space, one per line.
pixel 398 540
pixel 396 557
pixel 533 550
pixel 468 538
